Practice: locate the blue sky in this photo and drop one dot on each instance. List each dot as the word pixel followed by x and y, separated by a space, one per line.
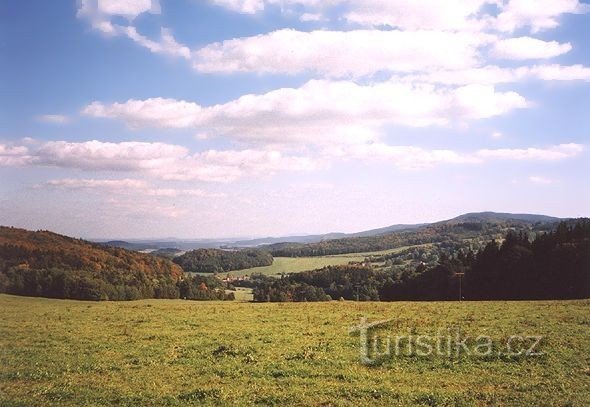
pixel 236 118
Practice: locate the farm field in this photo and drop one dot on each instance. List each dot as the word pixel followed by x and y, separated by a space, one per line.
pixel 298 264
pixel 174 352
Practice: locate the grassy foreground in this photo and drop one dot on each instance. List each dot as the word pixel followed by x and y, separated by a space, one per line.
pixel 173 352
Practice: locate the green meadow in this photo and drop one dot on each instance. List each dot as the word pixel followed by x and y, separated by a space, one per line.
pixel 175 352
pixel 286 265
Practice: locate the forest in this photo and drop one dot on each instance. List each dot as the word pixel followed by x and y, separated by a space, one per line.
pixel 218 261
pixel 46 264
pixel 553 265
pixel 449 231
pixel 520 264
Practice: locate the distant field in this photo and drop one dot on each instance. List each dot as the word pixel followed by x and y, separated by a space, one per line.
pixel 176 353
pixel 298 264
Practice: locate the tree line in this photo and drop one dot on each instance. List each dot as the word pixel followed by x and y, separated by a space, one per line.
pixel 218 261
pixel 553 265
pixel 436 233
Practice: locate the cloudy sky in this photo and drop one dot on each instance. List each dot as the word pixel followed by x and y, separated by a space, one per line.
pixel 236 118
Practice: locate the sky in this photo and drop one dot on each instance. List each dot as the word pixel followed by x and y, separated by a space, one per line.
pixel 250 118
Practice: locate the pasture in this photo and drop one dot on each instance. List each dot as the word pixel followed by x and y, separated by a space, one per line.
pixel 286 265
pixel 175 352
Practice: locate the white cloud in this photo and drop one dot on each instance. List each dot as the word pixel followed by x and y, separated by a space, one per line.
pixel 241 6
pixel 158 112
pixel 491 74
pixel 73 183
pixel 311 17
pixel 537 15
pixel 406 14
pixel 541 180
pixel 54 118
pixel 128 186
pixel 414 158
pixel 128 8
pixel 340 53
pixel 418 14
pixel 528 48
pixel 447 15
pixel 320 112
pixel 553 153
pixel 97 155
pixel 230 165
pixel 175 163
pixel 166 45
pixel 100 12
pixel 497 135
pixel 160 160
pixel 14 155
pixel 561 73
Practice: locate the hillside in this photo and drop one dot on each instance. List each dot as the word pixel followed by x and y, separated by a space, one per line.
pixel 47 264
pixel 218 261
pixel 473 228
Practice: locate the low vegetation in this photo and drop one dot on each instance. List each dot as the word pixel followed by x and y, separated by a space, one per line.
pixel 178 353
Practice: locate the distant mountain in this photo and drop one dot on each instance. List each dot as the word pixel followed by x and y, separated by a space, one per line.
pixel 501 217
pixel 185 245
pixel 471 227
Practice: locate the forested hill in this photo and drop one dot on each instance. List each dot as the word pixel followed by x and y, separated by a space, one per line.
pixel 217 261
pixel 480 227
pixel 46 264
pixel 44 249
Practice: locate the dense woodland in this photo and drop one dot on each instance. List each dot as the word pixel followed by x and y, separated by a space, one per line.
pixel 50 265
pixel 527 262
pixel 554 265
pixel 435 233
pixel 218 261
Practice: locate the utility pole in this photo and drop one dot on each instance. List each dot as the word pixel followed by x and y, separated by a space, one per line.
pixel 460 276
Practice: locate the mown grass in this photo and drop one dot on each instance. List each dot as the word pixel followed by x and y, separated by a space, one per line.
pixel 285 265
pixel 174 352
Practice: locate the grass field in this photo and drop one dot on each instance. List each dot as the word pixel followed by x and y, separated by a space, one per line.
pixel 297 264
pixel 174 352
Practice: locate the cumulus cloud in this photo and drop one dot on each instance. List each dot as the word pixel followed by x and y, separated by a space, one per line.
pixel 160 160
pixel 340 53
pixel 528 48
pixel 241 6
pixel 320 112
pixel 417 14
pixel 175 163
pixel 98 155
pixel 100 12
pixel 537 15
pixel 448 15
pixel 14 155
